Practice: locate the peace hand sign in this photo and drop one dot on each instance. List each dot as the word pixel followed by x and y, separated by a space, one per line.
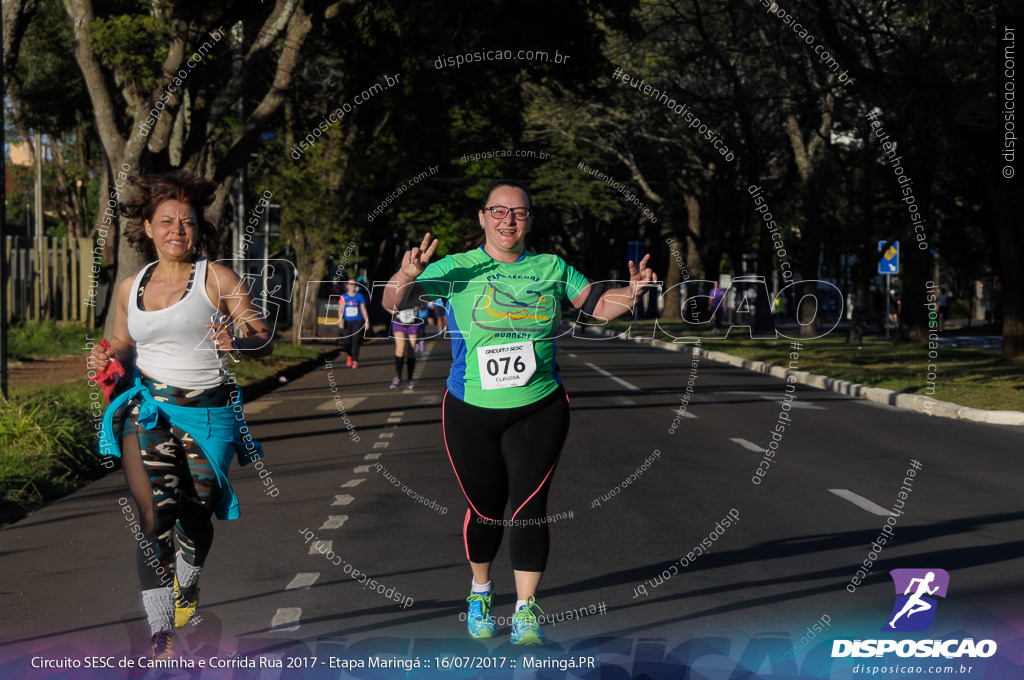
pixel 416 260
pixel 641 277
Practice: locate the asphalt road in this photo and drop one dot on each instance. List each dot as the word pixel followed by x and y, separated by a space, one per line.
pixel 69 584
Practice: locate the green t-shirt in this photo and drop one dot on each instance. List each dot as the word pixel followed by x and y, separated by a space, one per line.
pixel 502 318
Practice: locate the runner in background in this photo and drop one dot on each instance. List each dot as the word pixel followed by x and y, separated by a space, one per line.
pixel 405 330
pixel 716 306
pixel 423 312
pixel 440 316
pixel 354 320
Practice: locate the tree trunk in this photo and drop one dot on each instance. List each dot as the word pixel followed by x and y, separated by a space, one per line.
pixel 693 265
pixel 673 275
pixel 305 317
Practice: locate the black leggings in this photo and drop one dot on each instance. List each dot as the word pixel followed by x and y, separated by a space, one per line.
pixel 501 455
pixel 353 329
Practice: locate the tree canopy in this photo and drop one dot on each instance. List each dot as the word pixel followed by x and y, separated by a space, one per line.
pixel 373 122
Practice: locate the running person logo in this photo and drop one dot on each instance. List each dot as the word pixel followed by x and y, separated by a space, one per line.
pixel 914 609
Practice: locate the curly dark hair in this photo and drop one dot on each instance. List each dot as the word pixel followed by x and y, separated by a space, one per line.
pixel 475 239
pixel 152 190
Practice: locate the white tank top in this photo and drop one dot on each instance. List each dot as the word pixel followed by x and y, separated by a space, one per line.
pixel 172 345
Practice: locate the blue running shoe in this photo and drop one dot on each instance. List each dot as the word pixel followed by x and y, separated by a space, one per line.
pixel 525 626
pixel 479 619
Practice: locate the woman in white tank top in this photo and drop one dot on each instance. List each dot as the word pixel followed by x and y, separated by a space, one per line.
pixel 173 323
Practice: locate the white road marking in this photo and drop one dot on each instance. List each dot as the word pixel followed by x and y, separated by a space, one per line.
pixel 623 401
pixel 394 420
pixel 260 406
pixel 348 403
pixel 748 445
pixel 371 456
pixel 328 546
pixel 303 579
pixel 286 618
pixel 381 445
pixel 686 414
pixel 627 385
pixel 343 499
pixel 361 469
pixel 333 522
pixel 421 365
pixel 572 355
pixel 861 502
pixel 797 403
pixel 352 482
pixel 397 413
pixel 385 435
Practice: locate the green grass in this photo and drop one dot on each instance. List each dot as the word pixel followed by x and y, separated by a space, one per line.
pixel 47 438
pixel 46 435
pixel 49 338
pixel 970 377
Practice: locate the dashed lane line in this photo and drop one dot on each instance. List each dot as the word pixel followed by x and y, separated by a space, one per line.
pixel 304 579
pixel 286 618
pixel 333 522
pixel 800 404
pixel 289 618
pixel 861 502
pixel 748 445
pixel 328 546
pixel 627 385
pixel 254 407
pixel 349 402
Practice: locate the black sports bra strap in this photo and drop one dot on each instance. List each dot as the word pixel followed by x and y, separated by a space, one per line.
pixel 149 273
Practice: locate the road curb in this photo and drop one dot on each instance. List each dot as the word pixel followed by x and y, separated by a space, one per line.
pixel 910 402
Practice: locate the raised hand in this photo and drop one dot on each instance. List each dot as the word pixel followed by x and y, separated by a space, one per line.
pixel 416 260
pixel 641 277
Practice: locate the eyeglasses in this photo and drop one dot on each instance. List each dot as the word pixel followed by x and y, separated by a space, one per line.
pixel 499 212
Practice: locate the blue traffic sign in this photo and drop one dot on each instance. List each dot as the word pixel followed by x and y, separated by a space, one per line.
pixel 636 251
pixel 889 262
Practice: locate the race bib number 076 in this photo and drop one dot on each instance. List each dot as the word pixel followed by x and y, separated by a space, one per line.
pixel 510 365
